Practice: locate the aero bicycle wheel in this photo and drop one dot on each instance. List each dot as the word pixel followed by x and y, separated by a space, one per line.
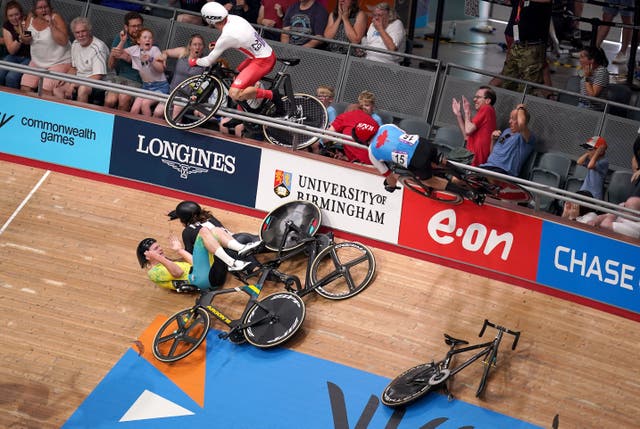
pixel 186 108
pixel 274 319
pixel 434 194
pixel 409 386
pixel 181 334
pixel 342 270
pixel 308 112
pixel 498 189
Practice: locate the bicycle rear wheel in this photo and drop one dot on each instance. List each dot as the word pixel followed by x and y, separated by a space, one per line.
pixel 409 386
pixel 420 188
pixel 181 334
pixel 186 109
pixel 498 189
pixel 342 270
pixel 309 112
pixel 274 319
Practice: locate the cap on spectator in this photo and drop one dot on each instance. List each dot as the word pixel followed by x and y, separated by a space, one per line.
pixel 594 143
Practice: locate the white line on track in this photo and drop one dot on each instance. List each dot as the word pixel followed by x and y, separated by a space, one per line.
pixel 25 201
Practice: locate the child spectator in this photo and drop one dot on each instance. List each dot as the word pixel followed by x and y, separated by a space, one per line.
pixel 597 163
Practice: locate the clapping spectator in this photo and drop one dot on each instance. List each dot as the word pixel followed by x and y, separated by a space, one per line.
pixel 88 58
pixel 595 159
pixel 594 76
pixel 385 32
pixel 50 47
pixel 18 52
pixel 308 17
pixel 347 23
pixel 477 128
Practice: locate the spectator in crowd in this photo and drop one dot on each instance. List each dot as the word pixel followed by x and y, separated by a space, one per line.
pixel 594 76
pixel 147 59
pixel 367 103
pixel 347 23
pixel 120 62
pixel 635 168
pixel 164 272
pixel 88 59
pixel 385 32
pixel 620 224
pixel 17 51
pixel 345 123
pixel 270 14
pixel 595 159
pixel 50 47
pixel 511 147
pixel 307 17
pixel 578 212
pixel 526 58
pixel 190 5
pixel 608 14
pixel 477 129
pixel 326 94
pixel 248 9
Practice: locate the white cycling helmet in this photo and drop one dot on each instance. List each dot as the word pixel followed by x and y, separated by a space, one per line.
pixel 213 12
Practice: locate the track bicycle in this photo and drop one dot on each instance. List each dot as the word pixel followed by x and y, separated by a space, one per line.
pixel 334 270
pixel 197 99
pixel 481 184
pixel 419 380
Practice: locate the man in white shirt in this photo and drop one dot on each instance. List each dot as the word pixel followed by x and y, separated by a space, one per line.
pixel 385 32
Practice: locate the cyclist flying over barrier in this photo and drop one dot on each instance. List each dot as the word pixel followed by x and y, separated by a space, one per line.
pixel 388 144
pixel 237 33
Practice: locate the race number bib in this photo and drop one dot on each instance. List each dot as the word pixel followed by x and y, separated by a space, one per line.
pixel 400 158
pixel 409 139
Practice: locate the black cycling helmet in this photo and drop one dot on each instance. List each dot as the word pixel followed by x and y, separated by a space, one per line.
pixel 143 246
pixel 185 211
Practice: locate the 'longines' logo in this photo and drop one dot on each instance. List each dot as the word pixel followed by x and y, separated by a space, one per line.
pixel 5 119
pixel 282 183
pixel 184 169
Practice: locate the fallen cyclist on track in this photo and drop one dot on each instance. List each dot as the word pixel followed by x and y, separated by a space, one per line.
pixel 390 144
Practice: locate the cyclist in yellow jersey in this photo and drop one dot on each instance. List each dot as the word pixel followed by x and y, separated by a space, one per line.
pixel 165 272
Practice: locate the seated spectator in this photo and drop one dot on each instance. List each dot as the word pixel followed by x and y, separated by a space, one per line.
pixel 164 272
pixel 308 17
pixel 594 76
pixel 190 5
pixel 147 59
pixel 347 23
pixel 345 123
pixel 120 62
pixel 620 224
pixel 511 147
pixel 635 168
pixel 578 212
pixel 477 129
pixel 326 94
pixel 367 103
pixel 595 159
pixel 385 32
pixel 88 59
pixel 50 47
pixel 248 9
pixel 270 15
pixel 17 51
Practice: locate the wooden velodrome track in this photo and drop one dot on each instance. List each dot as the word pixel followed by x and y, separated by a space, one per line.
pixel 73 301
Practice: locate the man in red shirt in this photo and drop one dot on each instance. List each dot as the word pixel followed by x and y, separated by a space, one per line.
pixel 345 123
pixel 478 129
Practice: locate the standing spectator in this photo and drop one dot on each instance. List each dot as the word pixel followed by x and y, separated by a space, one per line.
pixel 18 52
pixel 347 23
pixel 147 59
pixel 190 5
pixel 385 32
pixel 511 147
pixel 120 62
pixel 164 272
pixel 478 129
pixel 596 161
pixel 88 59
pixel 594 76
pixel 270 15
pixel 526 58
pixel 608 14
pixel 307 17
pixel 50 47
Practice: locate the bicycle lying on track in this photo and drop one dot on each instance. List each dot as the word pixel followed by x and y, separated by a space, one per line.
pixel 419 380
pixel 197 99
pixel 481 184
pixel 334 270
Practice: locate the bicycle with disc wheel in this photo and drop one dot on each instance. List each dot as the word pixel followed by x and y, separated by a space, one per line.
pixel 419 380
pixel 482 185
pixel 197 99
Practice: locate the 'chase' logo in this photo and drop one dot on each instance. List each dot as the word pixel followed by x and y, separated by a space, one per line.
pixel 5 119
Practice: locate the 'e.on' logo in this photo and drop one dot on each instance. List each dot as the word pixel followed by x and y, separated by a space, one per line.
pixel 475 237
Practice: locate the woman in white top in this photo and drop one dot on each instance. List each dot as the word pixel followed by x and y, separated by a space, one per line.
pixel 385 32
pixel 50 47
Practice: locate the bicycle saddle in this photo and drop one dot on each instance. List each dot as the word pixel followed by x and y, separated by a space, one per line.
pixel 453 341
pixel 290 61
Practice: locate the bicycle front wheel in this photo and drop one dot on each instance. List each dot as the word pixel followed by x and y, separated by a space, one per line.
pixel 188 106
pixel 274 320
pixel 409 386
pixel 499 189
pixel 420 188
pixel 181 334
pixel 307 111
pixel 342 270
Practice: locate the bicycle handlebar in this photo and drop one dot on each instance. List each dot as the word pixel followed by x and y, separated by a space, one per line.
pixel 501 329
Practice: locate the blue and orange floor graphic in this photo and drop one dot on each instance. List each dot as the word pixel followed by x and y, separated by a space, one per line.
pixel 240 386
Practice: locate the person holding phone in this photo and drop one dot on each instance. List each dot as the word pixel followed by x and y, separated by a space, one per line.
pixel 19 52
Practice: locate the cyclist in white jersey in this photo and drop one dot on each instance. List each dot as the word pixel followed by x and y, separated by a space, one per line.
pixel 237 33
